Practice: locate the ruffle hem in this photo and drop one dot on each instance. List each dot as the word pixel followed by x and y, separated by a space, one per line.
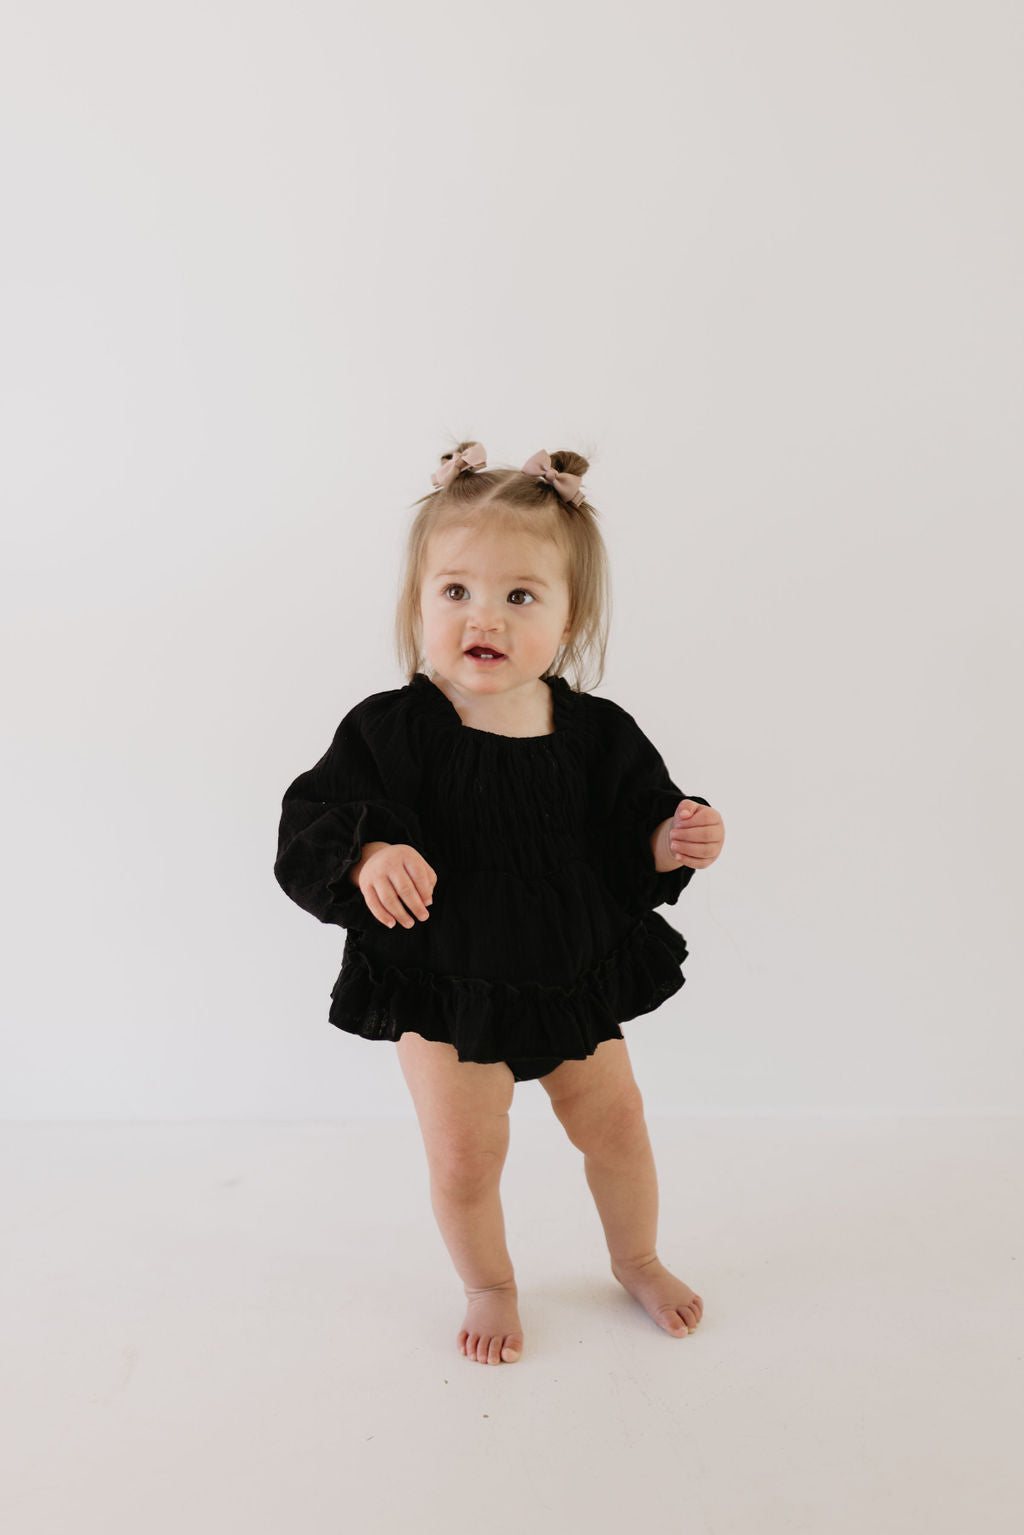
pixel 490 1021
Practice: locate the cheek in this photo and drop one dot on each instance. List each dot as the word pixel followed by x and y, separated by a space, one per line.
pixel 436 620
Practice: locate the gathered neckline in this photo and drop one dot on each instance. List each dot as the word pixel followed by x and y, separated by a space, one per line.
pixel 562 696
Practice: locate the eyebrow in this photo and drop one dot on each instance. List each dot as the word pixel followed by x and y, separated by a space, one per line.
pixel 536 580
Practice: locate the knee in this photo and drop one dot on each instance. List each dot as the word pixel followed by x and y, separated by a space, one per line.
pixel 466 1168
pixel 603 1124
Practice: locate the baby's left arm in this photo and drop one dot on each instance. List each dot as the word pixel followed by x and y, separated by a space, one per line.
pixel 691 839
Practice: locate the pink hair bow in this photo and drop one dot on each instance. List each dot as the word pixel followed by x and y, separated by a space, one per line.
pixel 569 486
pixel 473 457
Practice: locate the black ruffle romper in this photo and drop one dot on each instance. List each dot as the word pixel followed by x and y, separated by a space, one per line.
pixel 542 937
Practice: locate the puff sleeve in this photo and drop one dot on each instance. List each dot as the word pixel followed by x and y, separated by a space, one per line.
pixel 331 811
pixel 634 795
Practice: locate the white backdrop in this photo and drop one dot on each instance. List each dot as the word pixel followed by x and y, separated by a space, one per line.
pixel 262 263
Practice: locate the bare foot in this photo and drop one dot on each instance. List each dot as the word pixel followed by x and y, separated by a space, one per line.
pixel 672 1304
pixel 492 1332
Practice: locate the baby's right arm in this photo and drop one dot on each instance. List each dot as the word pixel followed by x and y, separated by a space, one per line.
pixel 333 814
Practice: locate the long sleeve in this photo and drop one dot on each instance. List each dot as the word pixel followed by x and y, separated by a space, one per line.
pixel 634 795
pixel 330 812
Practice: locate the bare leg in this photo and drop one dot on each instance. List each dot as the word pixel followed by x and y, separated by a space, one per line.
pixel 599 1103
pixel 621 1176
pixel 462 1108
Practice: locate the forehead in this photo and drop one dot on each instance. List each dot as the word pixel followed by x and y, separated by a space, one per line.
pixel 495 551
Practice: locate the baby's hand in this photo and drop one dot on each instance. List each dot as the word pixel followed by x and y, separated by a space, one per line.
pixel 394 874
pixel 696 834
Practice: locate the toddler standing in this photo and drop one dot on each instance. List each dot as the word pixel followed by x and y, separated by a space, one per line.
pixel 495 842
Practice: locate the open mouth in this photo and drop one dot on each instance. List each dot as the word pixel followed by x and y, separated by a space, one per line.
pixel 485 655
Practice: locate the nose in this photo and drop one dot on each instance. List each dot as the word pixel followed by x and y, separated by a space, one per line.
pixel 484 617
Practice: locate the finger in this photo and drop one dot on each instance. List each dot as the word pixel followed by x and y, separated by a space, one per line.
pixel 686 852
pixel 377 908
pixel 389 899
pixel 407 889
pixel 424 879
pixel 694 849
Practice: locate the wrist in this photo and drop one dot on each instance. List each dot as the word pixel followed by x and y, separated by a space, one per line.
pixel 368 851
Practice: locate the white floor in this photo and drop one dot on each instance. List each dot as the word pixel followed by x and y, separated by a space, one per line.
pixel 239 1327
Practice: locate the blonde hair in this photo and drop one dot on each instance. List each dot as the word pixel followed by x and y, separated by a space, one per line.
pixel 508 498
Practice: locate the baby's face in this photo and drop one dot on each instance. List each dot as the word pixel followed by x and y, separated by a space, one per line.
pixel 492 590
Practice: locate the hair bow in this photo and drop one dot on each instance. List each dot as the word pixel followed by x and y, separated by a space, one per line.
pixel 473 457
pixel 569 486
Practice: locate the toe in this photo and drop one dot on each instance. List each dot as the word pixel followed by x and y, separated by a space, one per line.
pixel 472 1339
pixel 513 1348
pixel 494 1350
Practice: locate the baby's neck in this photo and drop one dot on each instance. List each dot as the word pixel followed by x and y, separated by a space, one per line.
pixel 533 716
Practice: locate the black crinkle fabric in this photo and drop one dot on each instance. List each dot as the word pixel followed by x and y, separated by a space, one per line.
pixel 542 937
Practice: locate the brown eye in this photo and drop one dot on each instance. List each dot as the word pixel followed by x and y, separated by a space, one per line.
pixel 455 587
pixel 519 592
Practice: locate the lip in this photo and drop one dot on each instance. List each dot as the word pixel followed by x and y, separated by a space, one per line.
pixel 494 660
